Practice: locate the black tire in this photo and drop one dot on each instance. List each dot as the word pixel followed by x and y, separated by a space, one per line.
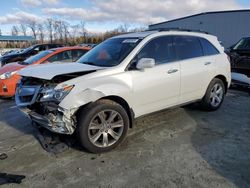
pixel 206 102
pixel 91 111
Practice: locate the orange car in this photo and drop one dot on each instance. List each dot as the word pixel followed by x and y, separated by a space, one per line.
pixel 9 76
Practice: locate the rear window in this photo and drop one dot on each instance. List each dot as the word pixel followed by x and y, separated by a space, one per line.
pixel 54 46
pixel 187 47
pixel 208 48
pixel 37 57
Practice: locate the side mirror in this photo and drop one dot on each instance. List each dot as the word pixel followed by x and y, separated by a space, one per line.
pixel 144 63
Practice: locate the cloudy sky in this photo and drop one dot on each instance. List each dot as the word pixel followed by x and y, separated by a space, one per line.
pixel 101 15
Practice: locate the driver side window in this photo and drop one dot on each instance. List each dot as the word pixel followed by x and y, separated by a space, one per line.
pixel 160 49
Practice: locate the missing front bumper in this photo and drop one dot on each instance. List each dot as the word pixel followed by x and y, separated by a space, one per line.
pixel 56 123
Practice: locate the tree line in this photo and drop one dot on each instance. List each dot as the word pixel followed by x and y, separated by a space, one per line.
pixel 60 31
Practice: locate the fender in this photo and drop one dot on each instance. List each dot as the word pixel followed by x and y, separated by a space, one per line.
pixel 111 86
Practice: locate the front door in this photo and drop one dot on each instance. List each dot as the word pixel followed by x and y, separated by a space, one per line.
pixel 158 87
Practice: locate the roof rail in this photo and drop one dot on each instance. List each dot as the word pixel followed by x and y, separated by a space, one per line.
pixel 177 29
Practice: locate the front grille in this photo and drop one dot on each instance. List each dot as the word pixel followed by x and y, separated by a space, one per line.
pixel 26 98
pixel 26 95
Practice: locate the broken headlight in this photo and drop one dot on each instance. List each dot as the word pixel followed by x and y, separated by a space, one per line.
pixel 51 94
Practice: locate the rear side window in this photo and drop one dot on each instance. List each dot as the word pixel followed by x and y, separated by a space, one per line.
pixel 161 49
pixel 208 48
pixel 64 56
pixel 76 54
pixel 187 47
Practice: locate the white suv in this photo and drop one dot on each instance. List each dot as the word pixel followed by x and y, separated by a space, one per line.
pixel 121 79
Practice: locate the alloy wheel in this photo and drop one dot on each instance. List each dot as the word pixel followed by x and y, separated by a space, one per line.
pixel 105 128
pixel 216 95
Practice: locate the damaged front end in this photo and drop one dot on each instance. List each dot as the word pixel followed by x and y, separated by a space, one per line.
pixel 39 100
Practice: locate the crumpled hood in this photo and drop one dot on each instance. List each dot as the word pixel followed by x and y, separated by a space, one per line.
pixel 10 67
pixel 49 71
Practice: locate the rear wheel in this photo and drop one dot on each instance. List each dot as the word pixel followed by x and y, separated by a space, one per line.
pixel 214 95
pixel 102 126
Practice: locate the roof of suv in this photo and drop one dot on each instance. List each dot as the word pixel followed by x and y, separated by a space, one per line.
pixel 144 34
pixel 175 31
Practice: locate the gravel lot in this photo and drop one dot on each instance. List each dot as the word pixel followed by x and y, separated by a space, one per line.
pixel 182 147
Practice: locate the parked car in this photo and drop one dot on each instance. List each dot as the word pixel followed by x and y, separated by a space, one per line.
pixel 9 73
pixel 123 78
pixel 32 50
pixel 240 56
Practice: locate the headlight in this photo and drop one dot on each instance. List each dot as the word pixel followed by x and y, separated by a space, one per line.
pixel 56 94
pixel 7 75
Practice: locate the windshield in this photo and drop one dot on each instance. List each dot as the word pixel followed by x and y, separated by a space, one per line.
pixel 110 52
pixel 37 57
pixel 243 44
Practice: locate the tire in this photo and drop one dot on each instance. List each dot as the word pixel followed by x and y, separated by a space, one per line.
pixel 214 95
pixel 95 122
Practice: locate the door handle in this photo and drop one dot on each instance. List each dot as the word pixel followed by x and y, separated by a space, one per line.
pixel 171 71
pixel 207 63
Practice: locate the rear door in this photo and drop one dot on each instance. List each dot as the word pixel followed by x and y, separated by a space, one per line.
pixel 195 67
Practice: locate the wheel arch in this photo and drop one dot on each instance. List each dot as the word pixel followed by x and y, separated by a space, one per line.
pixel 224 80
pixel 124 104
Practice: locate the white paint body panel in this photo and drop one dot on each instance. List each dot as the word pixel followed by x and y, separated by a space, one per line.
pixel 154 89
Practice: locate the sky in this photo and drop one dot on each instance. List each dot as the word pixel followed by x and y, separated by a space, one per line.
pixel 103 15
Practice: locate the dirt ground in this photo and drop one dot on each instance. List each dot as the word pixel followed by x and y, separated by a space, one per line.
pixel 182 147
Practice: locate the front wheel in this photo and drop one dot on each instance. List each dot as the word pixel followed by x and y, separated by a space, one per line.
pixel 214 95
pixel 102 125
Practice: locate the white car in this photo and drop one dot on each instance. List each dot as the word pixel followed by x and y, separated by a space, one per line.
pixel 121 79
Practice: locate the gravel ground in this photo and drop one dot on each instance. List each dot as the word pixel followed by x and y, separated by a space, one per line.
pixel 182 147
